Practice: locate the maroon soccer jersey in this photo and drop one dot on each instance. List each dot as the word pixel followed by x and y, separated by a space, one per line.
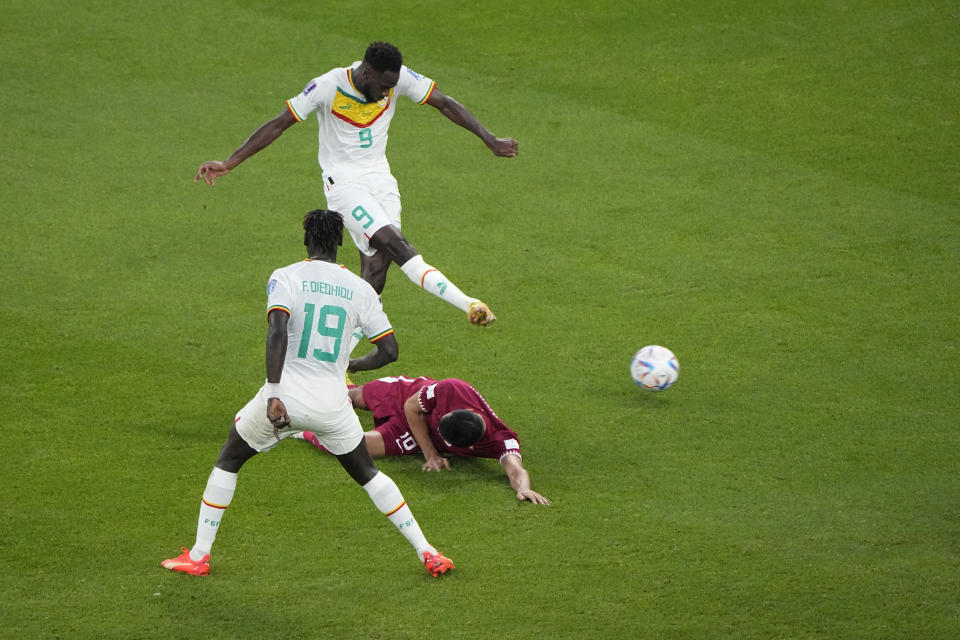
pixel 385 399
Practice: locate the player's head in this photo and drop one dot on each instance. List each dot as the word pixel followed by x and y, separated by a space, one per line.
pixel 379 72
pixel 323 232
pixel 383 56
pixel 462 428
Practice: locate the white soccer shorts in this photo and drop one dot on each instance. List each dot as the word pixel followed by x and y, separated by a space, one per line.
pixel 338 430
pixel 367 203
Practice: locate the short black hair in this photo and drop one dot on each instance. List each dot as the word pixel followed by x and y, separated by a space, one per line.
pixel 383 56
pixel 462 428
pixel 323 229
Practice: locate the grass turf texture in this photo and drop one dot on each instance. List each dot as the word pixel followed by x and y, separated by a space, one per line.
pixel 769 189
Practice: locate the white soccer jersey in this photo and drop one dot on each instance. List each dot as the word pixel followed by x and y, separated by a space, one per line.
pixel 353 132
pixel 326 302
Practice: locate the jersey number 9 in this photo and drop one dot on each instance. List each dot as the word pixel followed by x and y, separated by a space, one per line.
pixel 366 138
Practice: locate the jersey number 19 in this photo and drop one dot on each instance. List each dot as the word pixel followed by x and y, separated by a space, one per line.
pixel 326 312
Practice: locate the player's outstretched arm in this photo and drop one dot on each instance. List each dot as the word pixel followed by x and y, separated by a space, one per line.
pixel 259 139
pixel 456 112
pixel 520 480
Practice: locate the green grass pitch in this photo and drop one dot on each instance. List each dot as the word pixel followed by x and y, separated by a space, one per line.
pixel 770 189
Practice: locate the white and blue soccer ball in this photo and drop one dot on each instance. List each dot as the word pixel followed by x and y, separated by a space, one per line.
pixel 655 368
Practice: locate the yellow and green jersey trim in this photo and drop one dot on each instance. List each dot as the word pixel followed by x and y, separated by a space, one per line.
pixel 354 110
pixel 380 336
pixel 293 112
pixel 278 307
pixel 433 85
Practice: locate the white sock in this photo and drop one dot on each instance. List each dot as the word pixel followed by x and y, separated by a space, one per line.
pixel 216 498
pixel 432 280
pixel 387 497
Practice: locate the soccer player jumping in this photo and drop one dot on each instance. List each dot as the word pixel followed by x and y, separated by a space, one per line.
pixel 354 107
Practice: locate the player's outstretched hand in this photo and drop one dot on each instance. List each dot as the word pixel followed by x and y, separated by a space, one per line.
pixel 532 496
pixel 210 171
pixel 504 147
pixel 435 463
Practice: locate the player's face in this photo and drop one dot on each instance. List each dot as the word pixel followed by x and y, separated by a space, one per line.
pixel 376 85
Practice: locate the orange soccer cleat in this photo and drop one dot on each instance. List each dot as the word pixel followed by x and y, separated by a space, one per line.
pixel 437 563
pixel 184 564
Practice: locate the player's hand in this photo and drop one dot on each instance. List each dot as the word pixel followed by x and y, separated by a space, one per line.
pixel 277 415
pixel 210 171
pixel 532 496
pixel 504 147
pixel 435 463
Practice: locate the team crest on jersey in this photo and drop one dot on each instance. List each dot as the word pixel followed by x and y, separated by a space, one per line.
pixel 271 286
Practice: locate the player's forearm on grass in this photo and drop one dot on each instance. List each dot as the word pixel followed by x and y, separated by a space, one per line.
pixel 519 478
pixel 418 427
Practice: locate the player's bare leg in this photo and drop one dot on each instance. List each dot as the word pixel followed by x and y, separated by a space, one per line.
pixel 374 268
pixel 375 446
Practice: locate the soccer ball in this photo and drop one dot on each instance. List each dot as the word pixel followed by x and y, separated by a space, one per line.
pixel 654 368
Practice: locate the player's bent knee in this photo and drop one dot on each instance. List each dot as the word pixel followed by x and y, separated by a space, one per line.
pixel 358 464
pixel 391 241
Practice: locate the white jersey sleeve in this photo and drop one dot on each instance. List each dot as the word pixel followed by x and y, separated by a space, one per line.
pixel 373 320
pixel 316 96
pixel 415 86
pixel 280 292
